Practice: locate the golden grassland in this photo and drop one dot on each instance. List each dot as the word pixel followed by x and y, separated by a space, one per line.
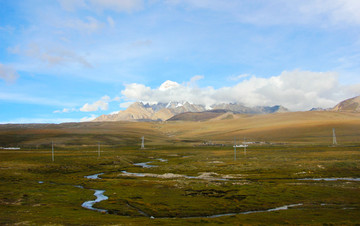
pixel 293 127
pixel 298 146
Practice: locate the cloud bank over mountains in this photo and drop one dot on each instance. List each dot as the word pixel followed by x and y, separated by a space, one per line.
pixel 296 90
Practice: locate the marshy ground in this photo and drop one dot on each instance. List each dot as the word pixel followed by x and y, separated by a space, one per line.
pixel 194 182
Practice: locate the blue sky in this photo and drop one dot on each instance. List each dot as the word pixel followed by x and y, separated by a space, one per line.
pixel 73 60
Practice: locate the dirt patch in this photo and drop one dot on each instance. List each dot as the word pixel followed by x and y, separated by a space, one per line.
pixel 230 194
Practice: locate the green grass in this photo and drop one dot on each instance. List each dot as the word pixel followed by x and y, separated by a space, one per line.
pixel 265 178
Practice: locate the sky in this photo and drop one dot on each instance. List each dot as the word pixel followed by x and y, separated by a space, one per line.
pixel 74 60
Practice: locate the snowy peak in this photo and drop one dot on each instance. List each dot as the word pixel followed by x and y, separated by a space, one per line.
pixel 163 111
pixel 152 112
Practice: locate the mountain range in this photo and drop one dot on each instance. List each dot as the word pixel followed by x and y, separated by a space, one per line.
pixel 174 111
pixel 139 111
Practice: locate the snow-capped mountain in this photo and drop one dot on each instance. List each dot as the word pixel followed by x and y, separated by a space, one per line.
pixel 152 112
pixel 164 111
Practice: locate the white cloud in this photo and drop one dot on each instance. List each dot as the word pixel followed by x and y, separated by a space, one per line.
pixel 28 98
pixel 88 118
pixel 312 12
pixel 65 110
pixel 52 56
pixel 338 11
pixel 7 73
pixel 39 120
pixel 296 90
pixel 194 79
pixel 102 104
pixel 101 5
pixel 205 4
pixel 71 5
pixel 111 21
pixel 126 104
pixel 118 5
pixel 238 77
pixel 141 43
pixel 7 28
pixel 89 25
pixel 116 99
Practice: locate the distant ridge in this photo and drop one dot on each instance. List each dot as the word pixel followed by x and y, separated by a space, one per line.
pixel 242 109
pixel 168 111
pixel 351 105
pixel 198 116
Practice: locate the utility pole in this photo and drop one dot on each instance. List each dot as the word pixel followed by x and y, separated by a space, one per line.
pixel 234 148
pixel 99 150
pixel 52 151
pixel 142 143
pixel 244 146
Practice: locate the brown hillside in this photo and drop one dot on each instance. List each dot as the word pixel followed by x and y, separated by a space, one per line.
pixel 298 127
pixel 352 104
pixel 292 127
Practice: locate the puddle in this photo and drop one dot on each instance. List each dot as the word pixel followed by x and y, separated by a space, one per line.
pixel 162 160
pixel 79 186
pixel 95 176
pixel 331 179
pixel 41 182
pixel 99 197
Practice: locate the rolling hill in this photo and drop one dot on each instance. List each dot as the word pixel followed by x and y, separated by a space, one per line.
pixel 192 128
pixel 312 127
pixel 352 105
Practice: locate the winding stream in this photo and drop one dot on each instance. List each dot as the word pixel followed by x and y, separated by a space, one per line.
pixel 332 179
pixel 146 164
pixel 99 194
pixel 248 212
pixel 99 197
pixel 94 176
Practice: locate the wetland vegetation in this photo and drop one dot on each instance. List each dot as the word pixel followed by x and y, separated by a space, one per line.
pixel 290 174
pixel 194 184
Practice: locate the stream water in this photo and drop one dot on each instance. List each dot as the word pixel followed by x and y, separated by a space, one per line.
pixel 332 179
pixel 99 194
pixel 249 212
pixel 94 176
pixel 144 164
pixel 99 197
